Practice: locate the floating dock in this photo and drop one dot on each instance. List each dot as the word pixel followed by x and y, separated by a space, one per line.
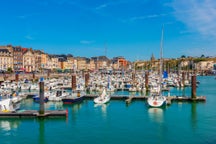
pixel 129 99
pixel 33 114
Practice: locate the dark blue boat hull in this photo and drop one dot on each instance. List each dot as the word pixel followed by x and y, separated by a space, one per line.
pixel 37 99
pixel 72 100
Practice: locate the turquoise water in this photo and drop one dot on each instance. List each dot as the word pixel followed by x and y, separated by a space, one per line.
pixel 116 122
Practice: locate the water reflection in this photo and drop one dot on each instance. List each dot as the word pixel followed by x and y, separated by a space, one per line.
pixel 156 114
pixel 73 110
pixel 7 125
pixel 103 109
pixel 193 115
pixel 41 131
pixel 54 105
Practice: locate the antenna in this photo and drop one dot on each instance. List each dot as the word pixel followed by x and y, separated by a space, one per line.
pixel 161 56
pixel 161 50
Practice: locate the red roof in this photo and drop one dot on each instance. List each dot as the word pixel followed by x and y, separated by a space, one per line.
pixel 24 49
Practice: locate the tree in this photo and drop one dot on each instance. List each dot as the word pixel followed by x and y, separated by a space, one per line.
pixel 10 70
pixel 202 56
pixel 183 56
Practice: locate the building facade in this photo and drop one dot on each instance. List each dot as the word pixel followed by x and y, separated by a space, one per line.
pixel 29 60
pixel 6 59
pixel 17 58
pixel 81 63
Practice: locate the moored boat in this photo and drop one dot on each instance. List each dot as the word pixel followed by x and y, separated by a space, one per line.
pixel 157 99
pixel 7 105
pixel 75 97
pixel 36 98
pixel 103 98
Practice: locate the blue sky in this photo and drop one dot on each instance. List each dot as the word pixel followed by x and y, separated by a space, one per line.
pixel 129 28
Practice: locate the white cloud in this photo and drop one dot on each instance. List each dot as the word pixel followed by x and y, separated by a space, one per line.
pixel 101 6
pixel 199 16
pixel 29 37
pixel 86 42
pixel 147 17
pixel 22 17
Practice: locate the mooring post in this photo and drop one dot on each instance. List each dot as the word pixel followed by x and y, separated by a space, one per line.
pixel 41 94
pixel 83 73
pixel 73 82
pixel 48 73
pixel 188 76
pixel 183 78
pixel 86 79
pixel 146 81
pixel 133 76
pixel 16 77
pixel 33 76
pixel 193 86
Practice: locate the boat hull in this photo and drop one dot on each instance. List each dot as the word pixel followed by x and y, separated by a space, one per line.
pixel 156 101
pixel 37 99
pixel 72 100
pixel 99 100
pixel 7 105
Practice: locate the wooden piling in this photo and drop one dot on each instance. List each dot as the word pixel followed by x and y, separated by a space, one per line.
pixel 16 77
pixel 86 79
pixel 41 94
pixel 73 82
pixel 167 67
pixel 48 73
pixel 183 78
pixel 193 87
pixel 33 76
pixel 188 76
pixel 133 76
pixel 83 73
pixel 146 81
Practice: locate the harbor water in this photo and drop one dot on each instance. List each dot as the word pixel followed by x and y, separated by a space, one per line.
pixel 117 122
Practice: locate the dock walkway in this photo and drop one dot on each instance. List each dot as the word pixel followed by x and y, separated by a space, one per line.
pixel 33 113
pixel 129 99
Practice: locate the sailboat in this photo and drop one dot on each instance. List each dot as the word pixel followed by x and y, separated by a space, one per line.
pixel 7 105
pixel 103 98
pixel 157 99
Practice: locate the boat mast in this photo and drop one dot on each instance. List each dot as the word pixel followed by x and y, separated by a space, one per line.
pixel 161 59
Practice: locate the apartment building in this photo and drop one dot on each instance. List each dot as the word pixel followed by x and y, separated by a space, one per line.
pixel 81 63
pixel 17 58
pixel 6 59
pixel 28 60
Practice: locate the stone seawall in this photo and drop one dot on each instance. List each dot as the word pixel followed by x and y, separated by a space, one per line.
pixel 29 76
